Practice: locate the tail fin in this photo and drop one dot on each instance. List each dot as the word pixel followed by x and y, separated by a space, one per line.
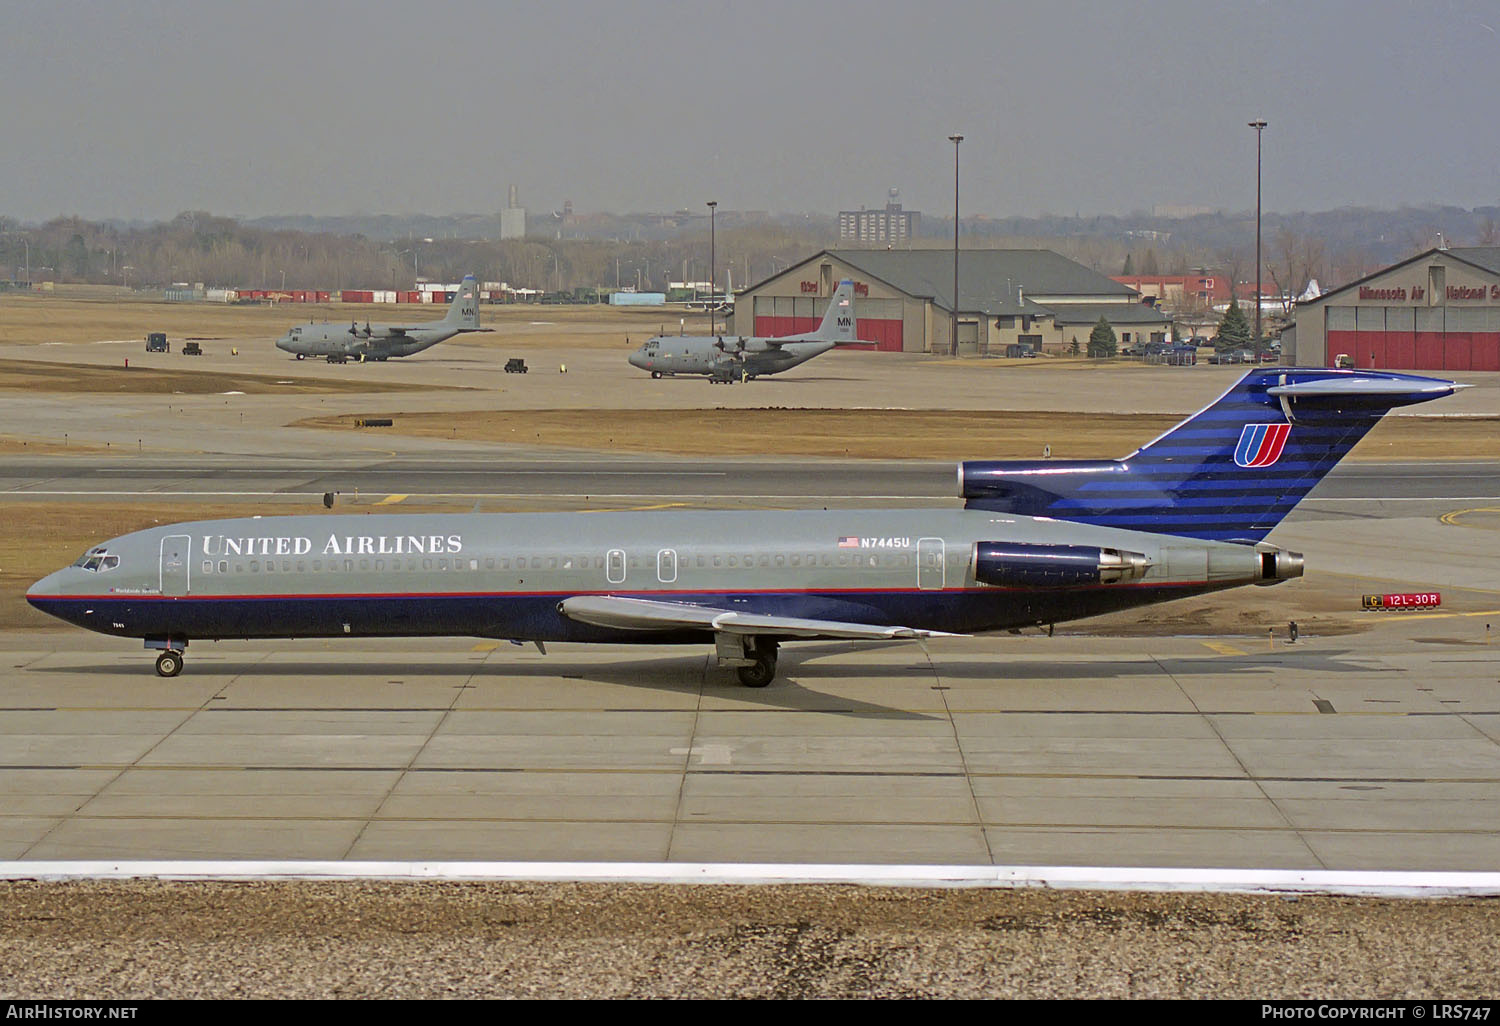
pixel 464 310
pixel 1229 473
pixel 838 321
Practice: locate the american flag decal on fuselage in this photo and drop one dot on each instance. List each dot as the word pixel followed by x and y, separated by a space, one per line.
pixel 1261 444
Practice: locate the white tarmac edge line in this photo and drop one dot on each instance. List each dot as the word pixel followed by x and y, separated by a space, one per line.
pixel 1362 883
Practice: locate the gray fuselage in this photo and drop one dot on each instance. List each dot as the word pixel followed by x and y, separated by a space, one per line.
pixel 504 575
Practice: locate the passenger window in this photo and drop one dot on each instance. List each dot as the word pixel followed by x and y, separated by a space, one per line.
pixel 208 566
pixel 223 566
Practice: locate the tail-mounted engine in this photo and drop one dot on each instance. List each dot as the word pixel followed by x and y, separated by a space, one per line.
pixel 1014 565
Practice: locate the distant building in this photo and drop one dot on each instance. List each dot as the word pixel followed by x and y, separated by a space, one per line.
pixel 513 219
pixel 889 227
pixel 904 301
pixel 1174 291
pixel 1204 289
pixel 1439 310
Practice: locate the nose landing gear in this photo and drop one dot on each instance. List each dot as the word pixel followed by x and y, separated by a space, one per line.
pixel 169 663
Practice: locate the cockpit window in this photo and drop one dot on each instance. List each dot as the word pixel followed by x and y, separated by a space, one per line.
pixel 97 561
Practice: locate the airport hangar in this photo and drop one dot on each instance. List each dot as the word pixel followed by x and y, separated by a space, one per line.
pixel 1437 311
pixel 904 301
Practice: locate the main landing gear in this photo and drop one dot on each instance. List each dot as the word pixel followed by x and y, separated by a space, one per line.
pixel 752 657
pixel 169 663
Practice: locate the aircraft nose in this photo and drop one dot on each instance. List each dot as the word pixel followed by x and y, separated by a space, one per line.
pixel 638 359
pixel 49 587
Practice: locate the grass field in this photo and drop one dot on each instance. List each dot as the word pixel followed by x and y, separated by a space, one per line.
pixel 884 434
pixel 38 319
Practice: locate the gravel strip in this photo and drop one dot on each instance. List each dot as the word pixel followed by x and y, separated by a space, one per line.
pixel 150 939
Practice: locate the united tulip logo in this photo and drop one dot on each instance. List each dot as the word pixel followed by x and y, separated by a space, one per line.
pixel 1261 444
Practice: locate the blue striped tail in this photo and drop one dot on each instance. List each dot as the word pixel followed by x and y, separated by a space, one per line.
pixel 1228 473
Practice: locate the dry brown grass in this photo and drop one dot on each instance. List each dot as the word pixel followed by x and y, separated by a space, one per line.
pixel 41 376
pixel 883 434
pixel 37 319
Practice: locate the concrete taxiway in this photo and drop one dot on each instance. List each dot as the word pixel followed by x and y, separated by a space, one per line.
pixel 1373 751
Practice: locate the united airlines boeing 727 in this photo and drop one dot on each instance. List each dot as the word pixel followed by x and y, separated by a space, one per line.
pixel 1038 542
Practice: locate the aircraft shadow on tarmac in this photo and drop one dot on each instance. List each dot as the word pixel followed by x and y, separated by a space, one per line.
pixel 686 675
pixel 800 667
pixel 956 667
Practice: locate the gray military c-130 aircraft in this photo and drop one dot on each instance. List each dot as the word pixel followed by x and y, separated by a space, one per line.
pixel 731 358
pixel 383 341
pixel 1038 542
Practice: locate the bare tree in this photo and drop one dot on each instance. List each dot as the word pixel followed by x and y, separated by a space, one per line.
pixel 1295 260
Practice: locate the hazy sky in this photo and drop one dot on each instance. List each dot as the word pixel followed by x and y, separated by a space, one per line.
pixel 143 109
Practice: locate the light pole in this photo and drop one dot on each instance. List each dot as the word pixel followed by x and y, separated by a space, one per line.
pixel 955 139
pixel 1259 125
pixel 713 209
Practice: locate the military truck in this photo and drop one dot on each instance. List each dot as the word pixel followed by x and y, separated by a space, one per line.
pixel 156 342
pixel 192 349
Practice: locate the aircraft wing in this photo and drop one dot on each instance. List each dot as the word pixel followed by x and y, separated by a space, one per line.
pixel 650 615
